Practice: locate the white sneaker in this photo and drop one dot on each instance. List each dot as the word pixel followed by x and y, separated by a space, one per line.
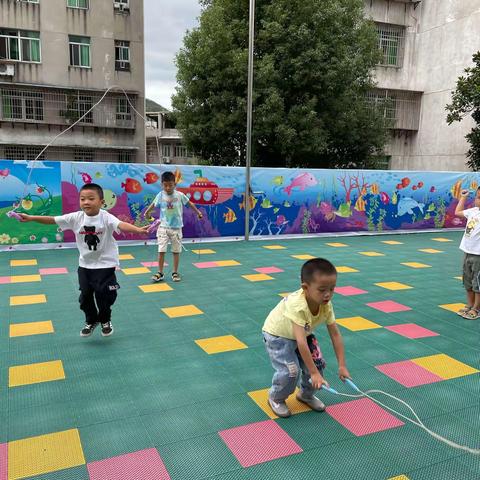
pixel 279 408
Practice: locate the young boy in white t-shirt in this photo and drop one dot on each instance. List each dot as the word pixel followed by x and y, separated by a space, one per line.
pixel 470 244
pixel 93 229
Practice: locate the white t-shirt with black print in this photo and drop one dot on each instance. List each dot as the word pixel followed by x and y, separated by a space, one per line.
pixel 94 236
pixel 471 238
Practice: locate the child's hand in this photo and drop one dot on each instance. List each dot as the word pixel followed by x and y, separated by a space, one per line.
pixel 343 373
pixel 318 381
pixel 25 217
pixel 144 230
pixel 200 215
pixel 464 193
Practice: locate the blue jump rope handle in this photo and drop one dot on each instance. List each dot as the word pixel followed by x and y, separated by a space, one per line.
pixel 324 387
pixel 351 385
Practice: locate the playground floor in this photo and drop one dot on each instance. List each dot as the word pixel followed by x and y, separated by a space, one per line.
pixel 179 391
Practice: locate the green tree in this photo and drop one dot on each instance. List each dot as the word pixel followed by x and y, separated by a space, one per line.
pixel 313 68
pixel 465 102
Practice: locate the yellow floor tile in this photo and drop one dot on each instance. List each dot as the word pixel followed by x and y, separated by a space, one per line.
pixel 346 270
pixel 356 324
pixel 225 343
pixel 205 251
pixel 44 454
pixel 415 265
pixel 30 328
pixel 445 366
pixel 260 397
pixel 257 277
pixel 135 270
pixel 22 263
pixel 35 373
pixel 227 263
pixel 399 477
pixel 284 294
pixel 336 244
pixel 453 307
pixel 372 254
pixel 303 257
pixel 126 256
pixel 274 247
pixel 392 242
pixel 393 286
pixel 27 300
pixel 458 278
pixel 441 239
pixel 25 278
pixel 430 250
pixel 183 311
pixel 155 287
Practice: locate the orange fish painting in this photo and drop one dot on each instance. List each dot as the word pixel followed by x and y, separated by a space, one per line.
pixel 150 178
pixel 132 186
pixel 456 189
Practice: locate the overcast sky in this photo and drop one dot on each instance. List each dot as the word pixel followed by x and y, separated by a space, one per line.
pixel 165 26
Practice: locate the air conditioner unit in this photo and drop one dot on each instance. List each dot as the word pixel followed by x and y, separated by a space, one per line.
pixel 7 69
pixel 121 7
pixel 166 160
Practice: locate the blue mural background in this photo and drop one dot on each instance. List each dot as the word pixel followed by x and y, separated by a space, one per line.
pixel 283 201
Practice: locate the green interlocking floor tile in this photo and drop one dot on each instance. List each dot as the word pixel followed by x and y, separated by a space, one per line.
pixel 450 469
pixel 196 458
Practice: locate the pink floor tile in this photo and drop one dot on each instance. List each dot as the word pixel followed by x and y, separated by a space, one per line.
pixel 206 264
pixel 52 271
pixel 408 373
pixel 4 280
pixel 259 442
pixel 348 291
pixel 144 465
pixel 153 264
pixel 3 461
pixel 268 270
pixel 363 416
pixel 389 306
pixel 411 330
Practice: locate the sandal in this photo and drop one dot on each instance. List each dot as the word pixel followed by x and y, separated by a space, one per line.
pixel 464 310
pixel 472 314
pixel 158 277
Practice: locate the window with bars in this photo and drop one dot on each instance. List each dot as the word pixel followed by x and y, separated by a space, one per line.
pixel 181 151
pixel 22 105
pixel 77 4
pixel 121 6
pixel 391 42
pixel 20 45
pixel 22 152
pixel 167 151
pixel 79 51
pixel 84 155
pixel 125 157
pixel 124 112
pixel 122 55
pixel 78 105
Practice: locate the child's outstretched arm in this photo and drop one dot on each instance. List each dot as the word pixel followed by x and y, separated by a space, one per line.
pixel 197 211
pixel 128 227
pixel 337 343
pixel 317 379
pixel 46 220
pixel 149 209
pixel 461 204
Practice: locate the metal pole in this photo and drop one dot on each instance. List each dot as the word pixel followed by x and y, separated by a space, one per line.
pixel 251 35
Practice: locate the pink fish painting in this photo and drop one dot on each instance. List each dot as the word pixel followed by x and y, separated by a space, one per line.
pixel 4 173
pixel 302 181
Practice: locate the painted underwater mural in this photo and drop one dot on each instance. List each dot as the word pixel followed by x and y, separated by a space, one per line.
pixel 282 201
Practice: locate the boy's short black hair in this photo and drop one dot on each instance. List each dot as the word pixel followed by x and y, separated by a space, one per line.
pixel 314 266
pixel 168 177
pixel 94 187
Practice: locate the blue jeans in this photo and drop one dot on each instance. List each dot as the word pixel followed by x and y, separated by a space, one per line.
pixel 288 367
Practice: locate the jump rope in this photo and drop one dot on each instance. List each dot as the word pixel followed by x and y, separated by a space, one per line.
pixel 152 228
pixel 417 421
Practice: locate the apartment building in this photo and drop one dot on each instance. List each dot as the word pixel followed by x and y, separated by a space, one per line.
pixel 57 60
pixel 426 45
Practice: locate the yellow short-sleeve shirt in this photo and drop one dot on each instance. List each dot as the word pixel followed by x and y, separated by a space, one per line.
pixel 294 308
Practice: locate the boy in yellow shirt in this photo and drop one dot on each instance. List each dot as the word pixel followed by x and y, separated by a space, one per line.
pixel 290 343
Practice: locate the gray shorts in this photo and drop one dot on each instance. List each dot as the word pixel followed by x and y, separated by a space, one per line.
pixel 471 272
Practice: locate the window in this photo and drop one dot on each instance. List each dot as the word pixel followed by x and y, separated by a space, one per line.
pixel 18 105
pixel 79 51
pixel 84 155
pixel 166 151
pixel 122 55
pixel 391 40
pixel 77 4
pixel 29 1
pixel 121 6
pixel 125 157
pixel 124 112
pixel 78 105
pixel 21 152
pixel 20 45
pixel 181 151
